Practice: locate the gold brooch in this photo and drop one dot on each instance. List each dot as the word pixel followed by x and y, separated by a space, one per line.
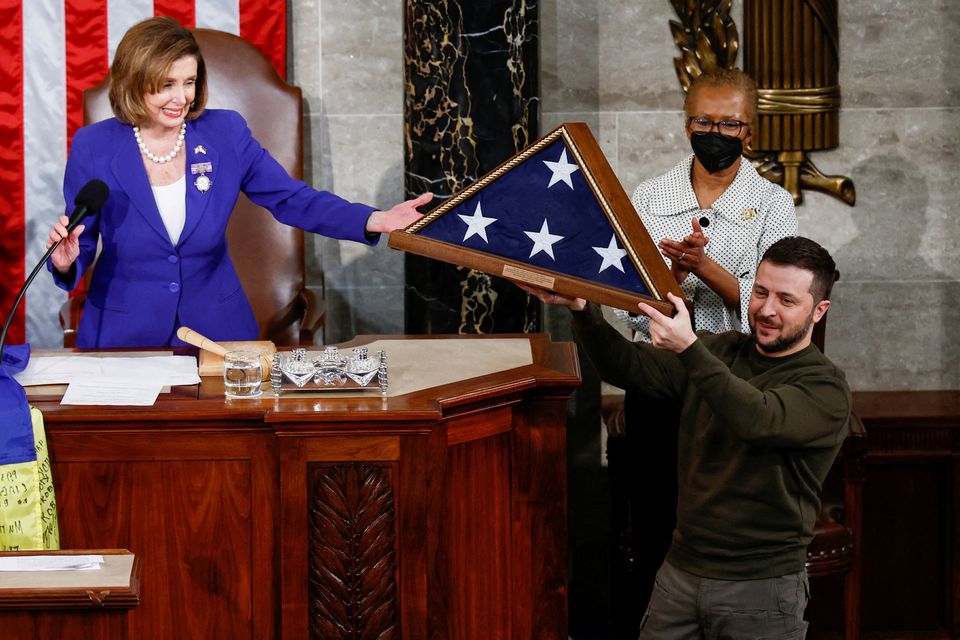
pixel 748 214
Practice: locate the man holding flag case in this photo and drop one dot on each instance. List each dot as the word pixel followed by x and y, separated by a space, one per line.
pixel 763 418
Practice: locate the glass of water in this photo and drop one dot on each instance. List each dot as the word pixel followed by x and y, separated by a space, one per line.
pixel 241 374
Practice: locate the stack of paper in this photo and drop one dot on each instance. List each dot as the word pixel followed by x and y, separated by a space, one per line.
pixel 110 380
pixel 51 563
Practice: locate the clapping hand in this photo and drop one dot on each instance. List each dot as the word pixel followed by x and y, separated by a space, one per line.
pixel 687 255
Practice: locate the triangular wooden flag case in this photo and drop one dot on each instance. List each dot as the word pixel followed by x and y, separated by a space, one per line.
pixel 554 216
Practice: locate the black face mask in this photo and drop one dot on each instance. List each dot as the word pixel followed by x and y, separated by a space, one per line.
pixel 715 152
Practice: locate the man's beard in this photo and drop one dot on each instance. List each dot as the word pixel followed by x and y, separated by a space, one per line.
pixel 786 340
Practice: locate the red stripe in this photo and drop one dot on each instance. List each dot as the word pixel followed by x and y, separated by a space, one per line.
pixel 264 24
pixel 86 49
pixel 183 11
pixel 12 226
pixel 86 52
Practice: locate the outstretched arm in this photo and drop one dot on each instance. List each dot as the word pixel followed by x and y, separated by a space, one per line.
pixel 626 364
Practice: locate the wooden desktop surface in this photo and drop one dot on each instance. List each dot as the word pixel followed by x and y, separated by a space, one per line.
pixel 115 584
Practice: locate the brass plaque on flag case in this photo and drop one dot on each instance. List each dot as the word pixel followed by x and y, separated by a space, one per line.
pixel 553 214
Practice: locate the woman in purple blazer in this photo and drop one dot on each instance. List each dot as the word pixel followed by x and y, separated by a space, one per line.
pixel 175 171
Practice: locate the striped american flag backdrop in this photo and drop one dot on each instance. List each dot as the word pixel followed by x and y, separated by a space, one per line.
pixel 50 51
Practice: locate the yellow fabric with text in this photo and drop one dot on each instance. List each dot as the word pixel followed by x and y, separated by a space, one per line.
pixel 28 507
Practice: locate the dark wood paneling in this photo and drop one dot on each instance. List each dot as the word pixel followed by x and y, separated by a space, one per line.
pixel 539 499
pixel 911 575
pixel 84 625
pixel 478 519
pixel 424 608
pixel 479 425
pixel 908 512
pixel 197 511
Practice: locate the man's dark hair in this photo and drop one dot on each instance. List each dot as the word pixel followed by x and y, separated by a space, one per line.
pixel 806 254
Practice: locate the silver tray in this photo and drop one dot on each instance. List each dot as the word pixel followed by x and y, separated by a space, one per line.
pixel 328 370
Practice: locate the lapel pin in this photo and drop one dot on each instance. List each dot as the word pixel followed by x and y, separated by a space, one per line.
pixel 199 149
pixel 748 214
pixel 203 181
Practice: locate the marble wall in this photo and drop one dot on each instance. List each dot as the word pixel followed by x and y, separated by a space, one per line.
pixel 609 63
pixel 348 59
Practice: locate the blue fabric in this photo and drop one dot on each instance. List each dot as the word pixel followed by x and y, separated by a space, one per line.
pixel 144 287
pixel 16 426
pixel 521 200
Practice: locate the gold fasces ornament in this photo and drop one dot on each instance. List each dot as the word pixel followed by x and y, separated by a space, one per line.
pixel 791 50
pixel 706 36
pixel 794 171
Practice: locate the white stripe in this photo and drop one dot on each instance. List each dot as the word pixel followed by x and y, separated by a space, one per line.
pixel 45 143
pixel 121 15
pixel 223 15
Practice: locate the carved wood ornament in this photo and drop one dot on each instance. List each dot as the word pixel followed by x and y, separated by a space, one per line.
pixel 353 592
pixel 791 49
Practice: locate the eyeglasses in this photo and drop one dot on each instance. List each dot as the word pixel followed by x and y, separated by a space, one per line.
pixel 730 128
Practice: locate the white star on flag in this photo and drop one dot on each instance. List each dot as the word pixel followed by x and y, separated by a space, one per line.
pixel 612 255
pixel 561 170
pixel 543 240
pixel 477 224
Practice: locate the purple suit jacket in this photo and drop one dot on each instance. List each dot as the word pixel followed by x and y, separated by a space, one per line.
pixel 143 286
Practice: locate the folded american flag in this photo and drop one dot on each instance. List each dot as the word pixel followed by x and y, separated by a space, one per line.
pixel 554 216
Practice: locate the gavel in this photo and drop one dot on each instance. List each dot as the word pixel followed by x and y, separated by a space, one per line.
pixel 204 343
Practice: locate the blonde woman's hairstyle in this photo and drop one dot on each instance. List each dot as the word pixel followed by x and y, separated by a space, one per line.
pixel 142 62
pixel 728 78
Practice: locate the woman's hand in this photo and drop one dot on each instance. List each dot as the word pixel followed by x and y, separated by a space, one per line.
pixel 400 216
pixel 688 255
pixel 66 254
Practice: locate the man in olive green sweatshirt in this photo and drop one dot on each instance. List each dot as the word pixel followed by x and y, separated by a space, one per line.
pixel 763 418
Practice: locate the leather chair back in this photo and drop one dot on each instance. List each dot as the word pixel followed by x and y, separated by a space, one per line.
pixel 267 254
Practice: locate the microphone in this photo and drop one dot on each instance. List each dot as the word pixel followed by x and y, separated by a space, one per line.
pixel 89 201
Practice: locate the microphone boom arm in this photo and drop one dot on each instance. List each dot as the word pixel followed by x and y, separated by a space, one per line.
pixel 23 290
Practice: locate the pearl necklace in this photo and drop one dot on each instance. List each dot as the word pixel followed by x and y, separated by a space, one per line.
pixel 161 159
